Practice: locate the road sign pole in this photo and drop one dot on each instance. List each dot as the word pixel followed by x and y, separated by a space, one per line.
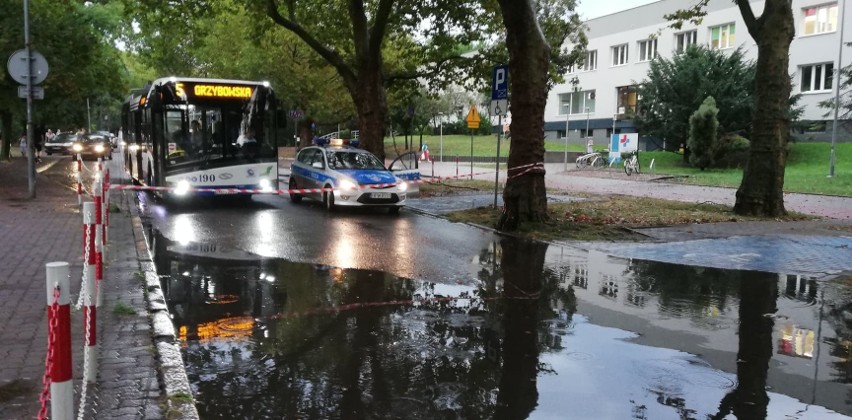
pixel 471 154
pixel 30 143
pixel 497 167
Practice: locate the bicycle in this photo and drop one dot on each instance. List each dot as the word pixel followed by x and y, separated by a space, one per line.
pixel 631 164
pixel 595 160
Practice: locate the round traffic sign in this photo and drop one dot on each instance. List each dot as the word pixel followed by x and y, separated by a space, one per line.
pixel 17 67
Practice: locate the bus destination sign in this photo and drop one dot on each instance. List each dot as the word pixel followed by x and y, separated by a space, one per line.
pixel 217 91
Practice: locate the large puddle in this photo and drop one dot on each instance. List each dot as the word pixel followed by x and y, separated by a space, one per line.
pixel 543 333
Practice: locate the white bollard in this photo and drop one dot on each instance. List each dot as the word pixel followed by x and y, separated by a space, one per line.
pixel 90 293
pixel 61 383
pixel 79 179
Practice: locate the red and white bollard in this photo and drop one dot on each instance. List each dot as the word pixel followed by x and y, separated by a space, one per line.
pixel 90 293
pixel 105 205
pixel 99 243
pixel 79 179
pixel 59 321
pixel 100 165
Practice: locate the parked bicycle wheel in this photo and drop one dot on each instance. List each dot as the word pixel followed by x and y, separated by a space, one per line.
pixel 599 162
pixel 628 167
pixel 582 162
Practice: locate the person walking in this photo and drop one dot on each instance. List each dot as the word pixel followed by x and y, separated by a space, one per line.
pixel 22 142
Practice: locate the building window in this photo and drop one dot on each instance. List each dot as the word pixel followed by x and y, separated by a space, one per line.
pixel 591 61
pixel 722 37
pixel 647 50
pixel 619 55
pixel 628 99
pixel 684 39
pixel 577 102
pixel 820 19
pixel 816 77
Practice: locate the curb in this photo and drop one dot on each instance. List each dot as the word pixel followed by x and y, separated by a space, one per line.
pixel 179 401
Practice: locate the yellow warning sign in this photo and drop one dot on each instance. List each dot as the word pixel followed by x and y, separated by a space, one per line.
pixel 472 117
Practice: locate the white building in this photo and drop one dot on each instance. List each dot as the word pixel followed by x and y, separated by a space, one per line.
pixel 622 44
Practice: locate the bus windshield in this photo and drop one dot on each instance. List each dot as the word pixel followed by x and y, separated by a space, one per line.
pixel 202 132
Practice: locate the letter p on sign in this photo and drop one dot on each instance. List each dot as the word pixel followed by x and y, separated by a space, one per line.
pixel 500 83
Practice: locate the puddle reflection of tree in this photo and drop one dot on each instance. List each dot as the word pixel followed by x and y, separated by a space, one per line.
pixel 749 399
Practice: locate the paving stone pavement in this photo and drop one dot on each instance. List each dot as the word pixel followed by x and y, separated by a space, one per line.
pixel 48 228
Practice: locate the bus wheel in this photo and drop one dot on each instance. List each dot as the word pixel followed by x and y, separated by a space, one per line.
pixel 328 199
pixel 295 198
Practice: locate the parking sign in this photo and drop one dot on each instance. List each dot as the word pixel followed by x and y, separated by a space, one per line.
pixel 500 83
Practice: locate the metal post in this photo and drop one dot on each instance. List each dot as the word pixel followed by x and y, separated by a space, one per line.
pixel 441 123
pixel 89 115
pixel 61 380
pixel 836 82
pixel 567 114
pixel 587 122
pixel 497 167
pixel 471 154
pixel 30 143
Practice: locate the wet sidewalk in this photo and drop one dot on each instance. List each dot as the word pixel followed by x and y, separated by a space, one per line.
pixel 48 228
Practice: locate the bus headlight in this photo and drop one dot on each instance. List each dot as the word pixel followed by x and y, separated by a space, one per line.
pixel 99 148
pixel 348 185
pixel 182 187
pixel 77 147
pixel 403 186
pixel 265 185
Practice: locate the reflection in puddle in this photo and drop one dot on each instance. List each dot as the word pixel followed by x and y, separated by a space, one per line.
pixel 543 333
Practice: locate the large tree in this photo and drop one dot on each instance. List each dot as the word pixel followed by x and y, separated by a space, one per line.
pixel 761 191
pixel 357 46
pixel 674 89
pixel 524 196
pixel 76 40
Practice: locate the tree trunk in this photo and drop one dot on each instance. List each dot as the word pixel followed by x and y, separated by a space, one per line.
pixel 761 192
pixel 524 196
pixel 371 103
pixel 6 129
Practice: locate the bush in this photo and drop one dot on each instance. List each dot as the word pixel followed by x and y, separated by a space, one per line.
pixel 703 138
pixel 732 152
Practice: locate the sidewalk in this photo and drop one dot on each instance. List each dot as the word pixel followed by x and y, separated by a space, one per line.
pixel 48 228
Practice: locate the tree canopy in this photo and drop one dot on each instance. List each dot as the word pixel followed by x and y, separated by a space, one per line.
pixel 675 88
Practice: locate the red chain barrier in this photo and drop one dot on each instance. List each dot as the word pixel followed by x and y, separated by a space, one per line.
pixel 52 322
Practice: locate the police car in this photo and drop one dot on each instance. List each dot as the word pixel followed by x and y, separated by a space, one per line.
pixel 357 176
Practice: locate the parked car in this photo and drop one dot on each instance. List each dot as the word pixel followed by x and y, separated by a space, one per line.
pixel 60 143
pixel 94 145
pixel 113 140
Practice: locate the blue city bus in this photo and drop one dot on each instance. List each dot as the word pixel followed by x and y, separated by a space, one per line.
pixel 187 133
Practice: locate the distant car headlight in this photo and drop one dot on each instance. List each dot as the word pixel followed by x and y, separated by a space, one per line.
pixel 134 147
pixel 403 186
pixel 265 185
pixel 99 148
pixel 77 147
pixel 348 185
pixel 123 143
pixel 182 187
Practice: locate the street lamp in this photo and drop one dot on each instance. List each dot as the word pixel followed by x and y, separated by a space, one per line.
pixel 837 91
pixel 587 122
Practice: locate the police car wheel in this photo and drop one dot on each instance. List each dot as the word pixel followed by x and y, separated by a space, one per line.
pixel 296 198
pixel 328 199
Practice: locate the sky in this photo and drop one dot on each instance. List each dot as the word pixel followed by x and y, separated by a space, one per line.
pixel 590 9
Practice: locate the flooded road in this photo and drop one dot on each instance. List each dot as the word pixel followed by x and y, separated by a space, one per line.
pixel 537 333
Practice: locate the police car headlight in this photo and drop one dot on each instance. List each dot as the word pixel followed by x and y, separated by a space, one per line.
pixel 77 147
pixel 265 185
pixel 348 185
pixel 403 186
pixel 99 148
pixel 182 187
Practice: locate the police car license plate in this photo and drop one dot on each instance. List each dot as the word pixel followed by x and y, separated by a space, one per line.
pixel 380 195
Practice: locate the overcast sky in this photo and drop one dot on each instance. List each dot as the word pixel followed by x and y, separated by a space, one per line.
pixel 590 9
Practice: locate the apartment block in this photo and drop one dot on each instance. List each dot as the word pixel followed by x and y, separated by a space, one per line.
pixel 622 45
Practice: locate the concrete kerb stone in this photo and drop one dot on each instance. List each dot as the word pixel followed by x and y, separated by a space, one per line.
pixel 180 402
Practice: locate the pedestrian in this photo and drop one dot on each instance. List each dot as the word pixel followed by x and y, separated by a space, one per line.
pixel 23 144
pixel 38 142
pixel 424 152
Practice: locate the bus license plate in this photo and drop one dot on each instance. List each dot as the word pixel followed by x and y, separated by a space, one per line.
pixel 380 195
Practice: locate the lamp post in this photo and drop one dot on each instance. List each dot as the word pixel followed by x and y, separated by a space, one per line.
pixel 441 124
pixel 837 91
pixel 567 115
pixel 587 122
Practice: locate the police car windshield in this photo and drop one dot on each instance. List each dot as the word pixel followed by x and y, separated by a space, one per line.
pixel 352 160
